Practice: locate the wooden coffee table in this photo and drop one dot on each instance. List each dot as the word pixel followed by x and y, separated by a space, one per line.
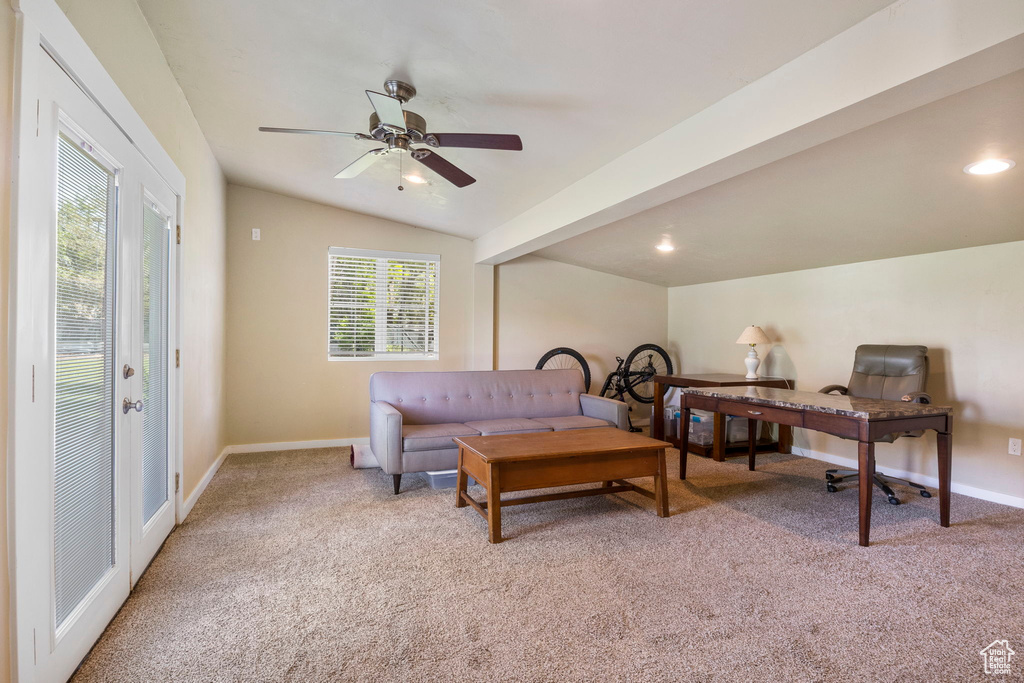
pixel 519 462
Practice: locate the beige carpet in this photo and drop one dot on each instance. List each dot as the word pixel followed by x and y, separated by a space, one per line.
pixel 294 567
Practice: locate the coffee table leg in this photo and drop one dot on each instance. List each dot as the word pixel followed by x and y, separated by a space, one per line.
pixel 661 487
pixel 684 439
pixel 866 476
pixel 493 504
pixel 460 481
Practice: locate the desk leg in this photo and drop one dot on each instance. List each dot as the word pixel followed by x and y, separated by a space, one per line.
pixel 658 419
pixel 661 486
pixel 684 439
pixel 752 426
pixel 718 446
pixel 493 504
pixel 944 446
pixel 460 481
pixel 866 475
pixel 785 439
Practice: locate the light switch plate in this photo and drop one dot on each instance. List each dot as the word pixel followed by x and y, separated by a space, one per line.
pixel 1014 446
pixel 255 234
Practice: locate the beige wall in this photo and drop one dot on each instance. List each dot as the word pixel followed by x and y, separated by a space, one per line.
pixel 965 305
pixel 6 75
pixel 542 304
pixel 118 34
pixel 280 383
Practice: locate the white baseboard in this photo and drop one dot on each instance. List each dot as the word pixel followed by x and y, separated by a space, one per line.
pixel 972 491
pixel 189 503
pixel 293 445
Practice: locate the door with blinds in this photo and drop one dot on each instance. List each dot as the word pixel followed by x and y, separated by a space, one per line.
pixel 98 262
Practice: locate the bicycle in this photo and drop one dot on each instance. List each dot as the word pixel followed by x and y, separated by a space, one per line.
pixel 633 375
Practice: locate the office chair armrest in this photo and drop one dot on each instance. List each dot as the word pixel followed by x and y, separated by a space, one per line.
pixel 833 387
pixel 918 397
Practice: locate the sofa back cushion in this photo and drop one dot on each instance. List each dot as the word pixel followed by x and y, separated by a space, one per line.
pixel 435 397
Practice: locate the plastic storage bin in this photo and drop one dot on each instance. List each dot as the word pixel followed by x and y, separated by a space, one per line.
pixel 444 479
pixel 702 428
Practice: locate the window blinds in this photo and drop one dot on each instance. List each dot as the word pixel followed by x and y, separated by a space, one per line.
pixel 382 304
pixel 84 431
pixel 155 243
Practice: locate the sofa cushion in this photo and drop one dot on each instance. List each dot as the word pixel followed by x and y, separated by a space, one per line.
pixel 432 437
pixel 511 425
pixel 573 422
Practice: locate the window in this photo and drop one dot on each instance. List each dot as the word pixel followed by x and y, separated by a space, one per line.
pixel 382 304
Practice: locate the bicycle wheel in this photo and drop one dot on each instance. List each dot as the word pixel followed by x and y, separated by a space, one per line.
pixel 565 358
pixel 643 363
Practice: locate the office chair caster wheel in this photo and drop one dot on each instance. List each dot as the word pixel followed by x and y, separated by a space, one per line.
pixel 830 488
pixel 893 500
pixel 925 494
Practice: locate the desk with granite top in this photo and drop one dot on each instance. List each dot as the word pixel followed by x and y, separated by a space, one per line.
pixel 861 419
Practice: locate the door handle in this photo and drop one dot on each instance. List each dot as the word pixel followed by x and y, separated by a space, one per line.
pixel 127 371
pixel 128 405
pixel 754 412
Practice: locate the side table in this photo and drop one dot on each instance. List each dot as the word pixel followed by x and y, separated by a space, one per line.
pixel 719 449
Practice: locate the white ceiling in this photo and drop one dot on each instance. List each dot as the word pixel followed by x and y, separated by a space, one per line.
pixel 581 82
pixel 892 189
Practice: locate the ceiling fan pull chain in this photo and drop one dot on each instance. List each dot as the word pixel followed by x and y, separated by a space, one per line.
pixel 400 188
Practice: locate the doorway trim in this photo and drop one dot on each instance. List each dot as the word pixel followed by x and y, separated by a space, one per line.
pixel 42 24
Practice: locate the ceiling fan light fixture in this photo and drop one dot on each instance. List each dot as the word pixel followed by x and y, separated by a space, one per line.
pixel 989 166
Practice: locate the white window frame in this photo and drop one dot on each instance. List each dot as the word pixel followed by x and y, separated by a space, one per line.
pixel 380 323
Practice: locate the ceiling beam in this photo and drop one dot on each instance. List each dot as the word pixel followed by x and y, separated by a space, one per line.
pixel 905 56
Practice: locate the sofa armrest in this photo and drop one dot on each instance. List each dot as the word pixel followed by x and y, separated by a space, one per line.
pixel 833 387
pixel 918 397
pixel 386 436
pixel 602 408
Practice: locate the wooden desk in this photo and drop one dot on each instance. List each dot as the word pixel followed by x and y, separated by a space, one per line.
pixel 865 420
pixel 518 462
pixel 719 448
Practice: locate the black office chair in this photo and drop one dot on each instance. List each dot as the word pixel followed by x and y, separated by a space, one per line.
pixel 893 373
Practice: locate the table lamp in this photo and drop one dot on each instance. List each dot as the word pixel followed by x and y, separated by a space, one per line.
pixel 752 336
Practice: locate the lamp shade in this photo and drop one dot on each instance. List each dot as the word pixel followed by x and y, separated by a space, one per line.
pixel 753 335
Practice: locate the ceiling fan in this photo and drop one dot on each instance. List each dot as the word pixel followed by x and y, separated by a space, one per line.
pixel 399 130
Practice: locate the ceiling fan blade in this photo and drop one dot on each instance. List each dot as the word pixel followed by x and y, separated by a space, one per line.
pixel 446 169
pixel 479 141
pixel 389 110
pixel 307 131
pixel 361 164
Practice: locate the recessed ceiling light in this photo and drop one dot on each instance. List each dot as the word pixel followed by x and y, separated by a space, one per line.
pixel 418 180
pixel 665 246
pixel 989 166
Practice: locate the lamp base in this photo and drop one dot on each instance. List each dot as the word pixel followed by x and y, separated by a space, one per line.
pixel 752 362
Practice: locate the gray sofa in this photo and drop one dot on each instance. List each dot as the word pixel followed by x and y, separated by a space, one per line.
pixel 414 415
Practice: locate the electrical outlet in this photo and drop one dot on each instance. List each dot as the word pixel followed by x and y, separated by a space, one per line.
pixel 1014 446
pixel 255 234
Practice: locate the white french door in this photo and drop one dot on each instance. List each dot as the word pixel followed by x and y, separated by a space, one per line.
pixel 152 327
pixel 96 500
